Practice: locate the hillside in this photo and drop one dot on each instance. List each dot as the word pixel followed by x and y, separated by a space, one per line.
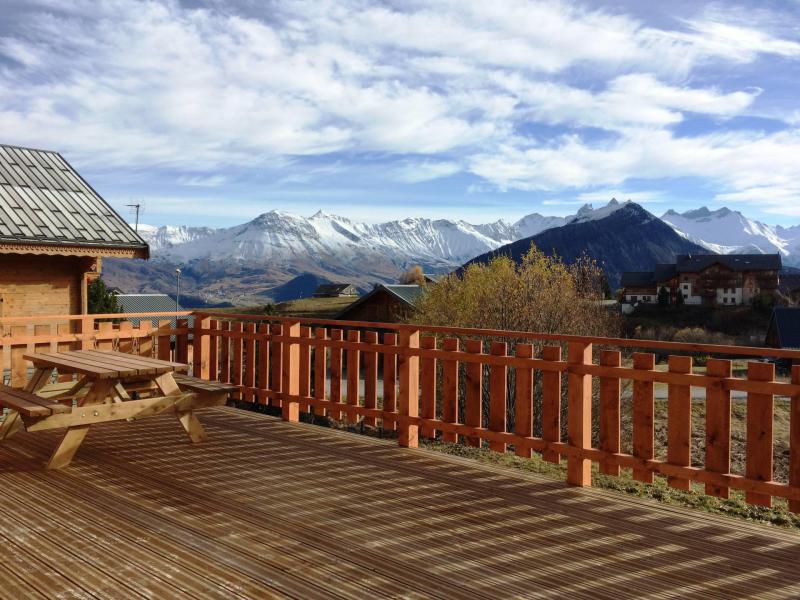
pixel 627 239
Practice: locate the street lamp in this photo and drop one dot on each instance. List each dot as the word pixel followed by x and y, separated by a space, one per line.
pixel 177 289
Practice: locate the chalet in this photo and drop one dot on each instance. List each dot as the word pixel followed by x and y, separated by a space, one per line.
pixel 385 303
pixel 54 231
pixel 335 290
pixel 706 279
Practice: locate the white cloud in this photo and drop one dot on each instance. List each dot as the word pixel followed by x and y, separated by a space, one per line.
pixel 203 181
pixel 425 171
pixel 431 87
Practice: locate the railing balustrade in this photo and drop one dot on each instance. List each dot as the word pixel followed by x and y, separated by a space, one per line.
pixel 581 399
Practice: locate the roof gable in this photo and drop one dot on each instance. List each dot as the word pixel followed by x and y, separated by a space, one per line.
pixel 45 202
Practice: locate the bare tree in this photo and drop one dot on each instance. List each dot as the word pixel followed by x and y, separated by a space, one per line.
pixel 413 275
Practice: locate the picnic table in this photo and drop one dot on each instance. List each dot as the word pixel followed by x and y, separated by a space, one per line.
pixel 110 386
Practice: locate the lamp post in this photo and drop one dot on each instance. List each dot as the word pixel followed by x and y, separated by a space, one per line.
pixel 177 289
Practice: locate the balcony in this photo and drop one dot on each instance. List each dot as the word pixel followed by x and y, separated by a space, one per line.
pixel 271 506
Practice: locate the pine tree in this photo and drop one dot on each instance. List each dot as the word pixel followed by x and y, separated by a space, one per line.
pixel 101 299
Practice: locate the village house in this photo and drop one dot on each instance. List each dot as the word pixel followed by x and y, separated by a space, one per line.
pixel 335 290
pixel 706 279
pixel 385 303
pixel 54 231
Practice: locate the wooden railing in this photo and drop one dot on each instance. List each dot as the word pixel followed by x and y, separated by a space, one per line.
pixel 161 335
pixel 583 400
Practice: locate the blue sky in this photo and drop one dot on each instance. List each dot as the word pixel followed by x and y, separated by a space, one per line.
pixel 212 112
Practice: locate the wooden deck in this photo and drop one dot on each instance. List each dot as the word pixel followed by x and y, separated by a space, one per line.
pixel 267 508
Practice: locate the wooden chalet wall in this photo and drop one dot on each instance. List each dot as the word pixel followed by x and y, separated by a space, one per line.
pixel 38 285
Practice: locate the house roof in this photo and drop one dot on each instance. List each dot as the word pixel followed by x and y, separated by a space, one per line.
pixel 693 263
pixel 332 288
pixel 664 272
pixel 46 207
pixel 407 294
pixel 785 323
pixel 638 279
pixel 150 303
pixel 140 303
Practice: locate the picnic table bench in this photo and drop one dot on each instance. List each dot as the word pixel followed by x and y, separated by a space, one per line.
pixel 111 386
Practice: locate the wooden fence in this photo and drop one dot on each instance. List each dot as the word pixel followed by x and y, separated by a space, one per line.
pixel 561 396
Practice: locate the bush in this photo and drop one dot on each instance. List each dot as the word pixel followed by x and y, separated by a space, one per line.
pixel 540 294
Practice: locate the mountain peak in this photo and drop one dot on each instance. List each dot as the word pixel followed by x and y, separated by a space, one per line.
pixel 587 212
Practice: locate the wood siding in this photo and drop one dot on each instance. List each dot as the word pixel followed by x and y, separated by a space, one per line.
pixel 42 285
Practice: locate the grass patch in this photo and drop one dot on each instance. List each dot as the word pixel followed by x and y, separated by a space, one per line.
pixel 320 308
pixel 778 515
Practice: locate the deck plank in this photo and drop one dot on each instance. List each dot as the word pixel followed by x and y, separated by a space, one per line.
pixel 266 508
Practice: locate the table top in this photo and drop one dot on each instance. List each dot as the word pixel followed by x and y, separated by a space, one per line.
pixel 104 364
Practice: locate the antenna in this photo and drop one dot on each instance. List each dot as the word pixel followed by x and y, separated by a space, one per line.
pixel 136 207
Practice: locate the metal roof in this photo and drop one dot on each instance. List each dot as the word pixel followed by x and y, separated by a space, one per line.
pixel 785 324
pixel 148 303
pixel 688 263
pixel 44 201
pixel 407 293
pixel 637 279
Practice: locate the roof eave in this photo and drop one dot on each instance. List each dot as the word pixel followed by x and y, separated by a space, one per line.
pixel 49 248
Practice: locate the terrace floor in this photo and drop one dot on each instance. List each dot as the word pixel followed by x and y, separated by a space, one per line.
pixel 270 509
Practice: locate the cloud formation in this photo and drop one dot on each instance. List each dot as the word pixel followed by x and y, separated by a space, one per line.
pixel 519 94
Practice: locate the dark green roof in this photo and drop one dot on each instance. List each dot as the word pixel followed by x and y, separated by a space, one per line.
pixel 407 293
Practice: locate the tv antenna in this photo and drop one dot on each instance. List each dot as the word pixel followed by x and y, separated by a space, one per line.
pixel 136 207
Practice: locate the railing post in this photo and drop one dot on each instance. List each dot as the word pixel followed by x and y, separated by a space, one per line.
pixel 579 414
pixel 87 331
pixel 202 347
pixel 408 433
pixel 290 373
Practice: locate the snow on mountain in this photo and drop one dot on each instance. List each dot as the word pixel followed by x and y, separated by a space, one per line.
pixel 167 236
pixel 328 240
pixel 729 232
pixel 283 237
pixel 286 239
pixel 588 213
pixel 535 223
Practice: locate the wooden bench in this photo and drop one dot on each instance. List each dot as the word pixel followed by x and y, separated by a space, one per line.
pixel 20 402
pixel 209 393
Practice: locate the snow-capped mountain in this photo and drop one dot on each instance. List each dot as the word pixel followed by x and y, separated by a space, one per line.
pixel 167 236
pixel 253 261
pixel 278 235
pixel 255 258
pixel 728 231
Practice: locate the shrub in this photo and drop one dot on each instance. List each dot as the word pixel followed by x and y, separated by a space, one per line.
pixel 540 294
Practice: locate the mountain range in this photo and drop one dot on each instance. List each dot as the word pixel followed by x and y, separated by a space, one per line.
pixel 279 255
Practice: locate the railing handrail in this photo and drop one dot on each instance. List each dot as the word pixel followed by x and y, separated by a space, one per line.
pixel 723 349
pixel 180 313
